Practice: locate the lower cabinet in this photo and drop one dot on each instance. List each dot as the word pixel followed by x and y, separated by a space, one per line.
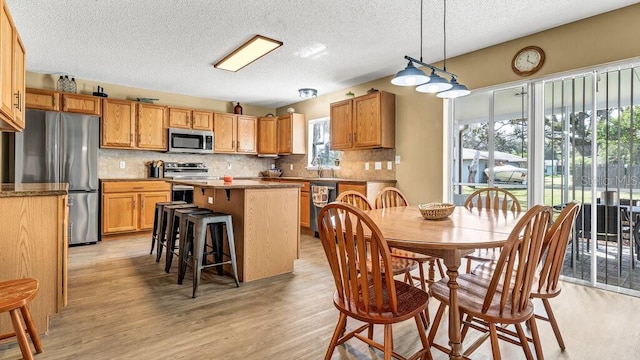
pixel 305 209
pixel 370 189
pixel 129 206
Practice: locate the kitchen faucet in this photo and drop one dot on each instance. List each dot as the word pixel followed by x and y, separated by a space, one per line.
pixel 318 164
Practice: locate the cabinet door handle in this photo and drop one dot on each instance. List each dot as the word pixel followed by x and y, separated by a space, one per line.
pixel 130 138
pixel 55 101
pixel 238 144
pixel 138 187
pixel 142 203
pixel 355 137
pixel 139 139
pixel 64 103
pixel 133 202
pixel 17 95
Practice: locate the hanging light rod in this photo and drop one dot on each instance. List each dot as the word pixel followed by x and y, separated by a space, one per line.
pixel 434 68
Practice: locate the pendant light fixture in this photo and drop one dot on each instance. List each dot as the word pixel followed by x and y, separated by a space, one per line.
pixel 434 83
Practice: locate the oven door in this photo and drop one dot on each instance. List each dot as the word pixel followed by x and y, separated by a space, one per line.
pixel 182 192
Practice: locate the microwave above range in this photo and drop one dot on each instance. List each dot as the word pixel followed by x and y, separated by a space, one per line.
pixel 190 141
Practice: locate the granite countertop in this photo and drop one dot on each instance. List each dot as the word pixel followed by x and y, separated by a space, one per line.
pixel 134 179
pixel 36 189
pixel 236 184
pixel 325 179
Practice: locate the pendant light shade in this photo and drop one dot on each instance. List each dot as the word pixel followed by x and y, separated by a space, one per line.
pixel 410 76
pixel 456 91
pixel 436 84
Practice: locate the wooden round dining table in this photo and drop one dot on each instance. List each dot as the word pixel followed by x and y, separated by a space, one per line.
pixel 450 239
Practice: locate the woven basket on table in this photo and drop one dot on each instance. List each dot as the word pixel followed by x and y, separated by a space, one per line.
pixel 436 211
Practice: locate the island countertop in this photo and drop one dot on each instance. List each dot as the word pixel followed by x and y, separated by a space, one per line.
pixel 236 184
pixel 33 189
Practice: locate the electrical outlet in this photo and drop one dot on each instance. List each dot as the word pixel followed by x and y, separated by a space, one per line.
pixel 210 200
pixel 366 166
pixel 122 164
pixel 397 159
pixel 290 166
pixel 378 165
pixel 229 166
pixel 389 165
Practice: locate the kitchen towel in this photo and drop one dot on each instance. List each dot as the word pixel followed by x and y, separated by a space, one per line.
pixel 320 195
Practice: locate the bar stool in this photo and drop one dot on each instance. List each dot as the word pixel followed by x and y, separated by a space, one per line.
pixel 175 239
pixel 14 297
pixel 167 225
pixel 157 221
pixel 195 239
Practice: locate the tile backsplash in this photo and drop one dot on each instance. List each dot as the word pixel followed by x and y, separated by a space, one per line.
pixel 352 165
pixel 135 163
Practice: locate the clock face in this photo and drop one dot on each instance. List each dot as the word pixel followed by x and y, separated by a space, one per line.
pixel 528 60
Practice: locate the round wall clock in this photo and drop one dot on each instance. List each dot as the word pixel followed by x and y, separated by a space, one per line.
pixel 527 60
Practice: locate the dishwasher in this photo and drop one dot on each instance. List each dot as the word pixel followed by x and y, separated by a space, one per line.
pixel 321 193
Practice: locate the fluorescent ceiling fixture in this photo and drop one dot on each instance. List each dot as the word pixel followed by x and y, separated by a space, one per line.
pixel 249 52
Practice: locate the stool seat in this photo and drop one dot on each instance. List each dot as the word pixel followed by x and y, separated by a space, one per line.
pixel 195 243
pixel 15 295
pixel 157 220
pixel 167 225
pixel 178 228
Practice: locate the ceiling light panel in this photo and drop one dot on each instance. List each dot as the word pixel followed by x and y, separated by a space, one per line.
pixel 249 52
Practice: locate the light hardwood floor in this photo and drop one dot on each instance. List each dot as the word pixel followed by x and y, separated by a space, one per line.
pixel 122 305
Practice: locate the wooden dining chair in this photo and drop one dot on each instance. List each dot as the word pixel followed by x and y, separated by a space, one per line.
pixel 504 298
pixel 496 199
pixel 392 197
pixel 15 296
pixel 400 265
pixel 550 265
pixel 351 239
pixel 553 250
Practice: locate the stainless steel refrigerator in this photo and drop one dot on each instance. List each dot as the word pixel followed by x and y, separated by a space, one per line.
pixel 62 147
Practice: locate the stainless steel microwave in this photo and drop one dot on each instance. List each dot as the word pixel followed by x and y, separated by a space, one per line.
pixel 190 141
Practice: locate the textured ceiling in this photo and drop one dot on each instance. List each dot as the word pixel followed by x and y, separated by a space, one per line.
pixel 170 45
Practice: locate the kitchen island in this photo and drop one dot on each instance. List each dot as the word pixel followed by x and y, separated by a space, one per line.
pixel 33 243
pixel 265 222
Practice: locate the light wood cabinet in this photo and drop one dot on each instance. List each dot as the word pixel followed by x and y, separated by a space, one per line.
pixel 284 135
pixel 127 124
pixel 118 124
pixel 129 206
pixel 12 74
pixel 42 99
pixel 82 104
pixel 268 135
pixel 234 133
pixel 305 208
pixel 364 122
pixel 152 134
pixel 34 244
pixel 292 134
pixel 119 212
pixel 190 119
pixel 179 118
pixel 202 120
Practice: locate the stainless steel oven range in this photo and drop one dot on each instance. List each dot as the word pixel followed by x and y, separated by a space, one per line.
pixel 186 171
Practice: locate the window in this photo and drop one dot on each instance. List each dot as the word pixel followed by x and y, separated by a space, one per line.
pixel 320 154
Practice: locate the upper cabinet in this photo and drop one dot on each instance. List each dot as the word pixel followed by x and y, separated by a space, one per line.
pixel 190 119
pixel 42 99
pixel 268 135
pixel 292 137
pixel 12 74
pixel 282 135
pixel 364 122
pixel 234 133
pixel 127 124
pixel 82 104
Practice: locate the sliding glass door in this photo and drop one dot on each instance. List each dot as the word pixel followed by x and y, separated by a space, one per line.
pixel 592 148
pixel 558 140
pixel 491 142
